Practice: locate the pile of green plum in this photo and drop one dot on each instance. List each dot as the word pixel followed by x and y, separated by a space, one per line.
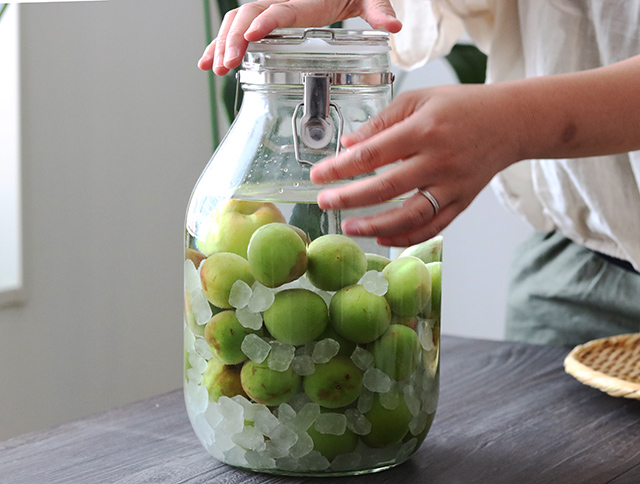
pixel 308 356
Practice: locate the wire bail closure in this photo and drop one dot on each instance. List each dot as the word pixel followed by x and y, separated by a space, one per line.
pixel 265 64
pixel 316 126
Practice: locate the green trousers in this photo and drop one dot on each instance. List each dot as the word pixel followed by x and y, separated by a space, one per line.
pixel 562 293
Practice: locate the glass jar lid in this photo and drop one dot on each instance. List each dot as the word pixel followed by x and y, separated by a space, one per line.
pixel 323 41
pixel 348 57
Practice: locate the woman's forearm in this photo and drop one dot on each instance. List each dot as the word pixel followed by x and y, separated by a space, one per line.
pixel 588 113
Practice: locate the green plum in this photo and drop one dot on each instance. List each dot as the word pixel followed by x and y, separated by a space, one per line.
pixel 409 285
pixel 397 351
pixel 387 426
pixel 267 386
pixel 221 380
pixel 330 445
pixel 376 262
pixel 187 364
pixel 334 384
pixel 359 315
pixel 231 225
pixel 409 321
pixel 225 334
pixel 428 251
pixel 435 269
pixel 297 316
pixel 335 261
pixel 189 317
pixel 303 235
pixel 277 254
pixel 218 274
pixel 194 256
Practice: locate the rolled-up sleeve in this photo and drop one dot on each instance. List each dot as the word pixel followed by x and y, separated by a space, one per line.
pixel 432 27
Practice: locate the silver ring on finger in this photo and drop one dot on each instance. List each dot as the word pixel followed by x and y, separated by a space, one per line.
pixel 434 203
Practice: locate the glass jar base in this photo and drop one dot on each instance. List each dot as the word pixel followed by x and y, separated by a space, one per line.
pixel 329 473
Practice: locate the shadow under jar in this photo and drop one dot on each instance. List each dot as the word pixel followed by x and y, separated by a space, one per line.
pixel 307 352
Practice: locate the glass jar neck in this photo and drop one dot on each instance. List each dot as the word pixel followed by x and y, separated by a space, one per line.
pixel 348 64
pixel 294 110
pixel 324 79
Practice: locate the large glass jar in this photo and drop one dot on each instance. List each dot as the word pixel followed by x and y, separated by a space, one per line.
pixel 306 352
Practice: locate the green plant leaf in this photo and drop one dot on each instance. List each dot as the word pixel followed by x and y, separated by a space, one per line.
pixel 228 94
pixel 223 98
pixel 469 63
pixel 229 89
pixel 310 218
pixel 225 5
pixel 208 30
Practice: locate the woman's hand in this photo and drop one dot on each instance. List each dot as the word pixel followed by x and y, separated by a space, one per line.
pixel 451 140
pixel 253 21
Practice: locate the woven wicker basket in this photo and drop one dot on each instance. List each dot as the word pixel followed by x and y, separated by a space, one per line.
pixel 608 364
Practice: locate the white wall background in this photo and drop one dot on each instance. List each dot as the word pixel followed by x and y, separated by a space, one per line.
pixel 115 132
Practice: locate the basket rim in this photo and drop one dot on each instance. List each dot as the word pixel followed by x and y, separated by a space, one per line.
pixel 614 386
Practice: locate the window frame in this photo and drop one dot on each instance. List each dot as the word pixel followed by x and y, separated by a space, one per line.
pixel 11 236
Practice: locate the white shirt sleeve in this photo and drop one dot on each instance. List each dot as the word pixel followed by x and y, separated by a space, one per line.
pixel 432 27
pixel 593 201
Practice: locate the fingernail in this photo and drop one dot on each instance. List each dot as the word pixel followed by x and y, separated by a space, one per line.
pixel 393 19
pixel 315 175
pixel 318 173
pixel 352 227
pixel 231 53
pixel 351 138
pixel 253 27
pixel 327 200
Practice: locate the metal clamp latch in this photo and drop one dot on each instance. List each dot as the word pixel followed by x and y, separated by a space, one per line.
pixel 316 126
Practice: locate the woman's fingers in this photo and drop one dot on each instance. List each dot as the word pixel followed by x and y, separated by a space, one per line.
pixel 236 43
pixel 254 20
pixel 305 13
pixel 402 108
pixel 380 15
pixel 422 232
pixel 219 44
pixel 389 137
pixel 415 212
pixel 206 61
pixel 228 48
pixel 390 184
pixel 453 140
pixel 362 159
pixel 318 13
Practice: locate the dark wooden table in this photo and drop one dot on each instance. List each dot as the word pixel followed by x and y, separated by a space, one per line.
pixel 508 414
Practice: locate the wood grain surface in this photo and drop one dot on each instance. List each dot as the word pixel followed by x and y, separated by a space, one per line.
pixel 508 414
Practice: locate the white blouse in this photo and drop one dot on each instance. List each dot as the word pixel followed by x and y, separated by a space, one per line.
pixel 593 201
